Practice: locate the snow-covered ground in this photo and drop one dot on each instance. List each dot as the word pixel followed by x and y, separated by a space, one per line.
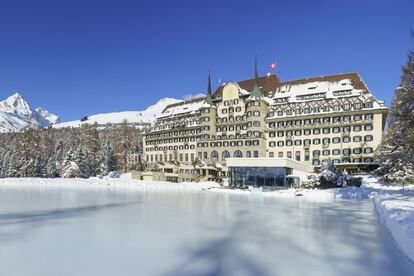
pixel 129 227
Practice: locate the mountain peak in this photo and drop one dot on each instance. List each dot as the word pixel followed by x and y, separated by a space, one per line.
pixel 16 114
pixel 16 95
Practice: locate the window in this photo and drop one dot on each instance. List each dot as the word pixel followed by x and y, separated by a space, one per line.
pixel 271 154
pixel 297 155
pixel 347 106
pixel 357 117
pixel 369 105
pixel 272 144
pixel 316 131
pixel 289 143
pixel 336 130
pixel 255 154
pixel 325 152
pixel 298 132
pixel 357 128
pixel 248 154
pixel 326 130
pixel 346 139
pixel 336 140
pixel 214 155
pixel 225 155
pixel 280 154
pixel 357 150
pixel 289 154
pixel 326 141
pixel 307 155
pixel 368 127
pixel 280 143
pixel 298 142
pixel 316 141
pixel 238 154
pixel 316 153
pixel 369 117
pixel 316 162
pixel 306 132
pixel 336 151
pixel 368 138
pixel 346 152
pixel 307 142
pixel 368 150
pixel 357 138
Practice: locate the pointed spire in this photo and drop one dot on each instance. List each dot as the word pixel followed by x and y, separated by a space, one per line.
pixel 256 73
pixel 209 84
pixel 209 99
pixel 256 94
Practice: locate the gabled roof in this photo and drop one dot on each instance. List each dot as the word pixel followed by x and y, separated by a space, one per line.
pixel 185 106
pixel 356 80
pixel 267 84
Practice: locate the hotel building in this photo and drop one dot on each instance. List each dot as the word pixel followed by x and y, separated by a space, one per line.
pixel 263 129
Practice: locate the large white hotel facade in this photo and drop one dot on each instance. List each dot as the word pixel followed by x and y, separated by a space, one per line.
pixel 263 129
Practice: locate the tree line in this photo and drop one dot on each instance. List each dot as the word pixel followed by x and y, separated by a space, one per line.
pixel 90 150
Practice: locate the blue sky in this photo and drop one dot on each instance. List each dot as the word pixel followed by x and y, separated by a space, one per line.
pixel 79 58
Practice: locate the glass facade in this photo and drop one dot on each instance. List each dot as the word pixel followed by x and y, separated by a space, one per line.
pixel 258 176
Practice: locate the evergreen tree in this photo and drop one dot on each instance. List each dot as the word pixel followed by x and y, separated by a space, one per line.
pixel 108 161
pixel 396 153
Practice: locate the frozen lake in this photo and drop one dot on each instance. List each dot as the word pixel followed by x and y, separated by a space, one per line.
pixel 89 231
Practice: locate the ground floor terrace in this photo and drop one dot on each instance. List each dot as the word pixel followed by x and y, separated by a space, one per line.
pixel 266 172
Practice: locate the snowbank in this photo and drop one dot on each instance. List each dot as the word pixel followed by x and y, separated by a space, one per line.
pixel 395 207
pixel 397 214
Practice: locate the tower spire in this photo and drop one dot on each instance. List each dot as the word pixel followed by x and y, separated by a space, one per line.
pixel 256 94
pixel 209 99
pixel 256 73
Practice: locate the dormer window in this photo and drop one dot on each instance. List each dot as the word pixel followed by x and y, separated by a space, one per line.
pixel 368 105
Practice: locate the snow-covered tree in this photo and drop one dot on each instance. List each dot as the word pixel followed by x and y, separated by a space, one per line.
pixel 329 174
pixel 396 153
pixel 311 182
pixel 108 161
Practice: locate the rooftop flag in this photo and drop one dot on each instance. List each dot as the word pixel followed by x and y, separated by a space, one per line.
pixel 272 66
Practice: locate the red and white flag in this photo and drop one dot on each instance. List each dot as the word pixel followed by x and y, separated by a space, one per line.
pixel 272 66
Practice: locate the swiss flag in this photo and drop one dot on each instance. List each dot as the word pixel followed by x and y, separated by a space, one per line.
pixel 272 66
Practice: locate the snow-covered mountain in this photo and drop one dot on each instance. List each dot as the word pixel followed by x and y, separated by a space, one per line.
pixel 16 114
pixel 134 117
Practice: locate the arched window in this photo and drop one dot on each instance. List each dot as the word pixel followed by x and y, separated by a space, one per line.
pixel 225 155
pixel 214 155
pixel 238 154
